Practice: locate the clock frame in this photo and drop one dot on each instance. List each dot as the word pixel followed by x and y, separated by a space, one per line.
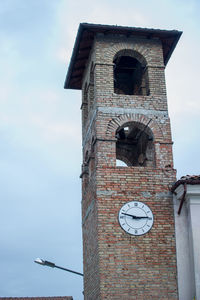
pixel 135 218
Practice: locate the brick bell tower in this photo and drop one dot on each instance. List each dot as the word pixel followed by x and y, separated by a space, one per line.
pixel 127 171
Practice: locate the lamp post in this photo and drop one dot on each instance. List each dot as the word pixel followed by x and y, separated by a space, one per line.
pixel 52 265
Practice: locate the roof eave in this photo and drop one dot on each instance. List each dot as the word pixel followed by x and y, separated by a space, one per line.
pixel 95 27
pixel 74 51
pixel 179 33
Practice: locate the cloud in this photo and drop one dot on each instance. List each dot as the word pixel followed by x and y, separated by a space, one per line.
pixel 90 12
pixel 53 131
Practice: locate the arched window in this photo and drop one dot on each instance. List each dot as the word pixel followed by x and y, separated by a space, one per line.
pixel 134 146
pixel 130 74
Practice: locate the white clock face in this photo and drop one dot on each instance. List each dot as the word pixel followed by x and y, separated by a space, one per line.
pixel 136 218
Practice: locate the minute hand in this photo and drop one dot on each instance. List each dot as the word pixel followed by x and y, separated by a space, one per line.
pixel 135 217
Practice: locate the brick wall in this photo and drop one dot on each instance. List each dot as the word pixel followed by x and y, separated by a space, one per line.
pixel 118 265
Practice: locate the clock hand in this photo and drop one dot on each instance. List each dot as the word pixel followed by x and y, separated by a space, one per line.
pixel 135 217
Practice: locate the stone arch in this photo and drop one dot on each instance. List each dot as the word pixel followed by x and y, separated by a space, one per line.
pixel 132 53
pixel 119 120
pixel 130 73
pixel 131 47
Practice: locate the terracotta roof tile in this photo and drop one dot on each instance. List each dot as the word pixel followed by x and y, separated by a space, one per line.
pixel 188 179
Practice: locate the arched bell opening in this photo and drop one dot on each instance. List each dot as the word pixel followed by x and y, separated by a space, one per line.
pixel 130 74
pixel 134 145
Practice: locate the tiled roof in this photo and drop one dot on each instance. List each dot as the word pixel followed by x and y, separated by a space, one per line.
pixel 39 298
pixel 188 179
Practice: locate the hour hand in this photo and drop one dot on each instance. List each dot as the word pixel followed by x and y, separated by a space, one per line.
pixel 134 217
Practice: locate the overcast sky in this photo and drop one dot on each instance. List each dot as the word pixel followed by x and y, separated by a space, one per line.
pixel 40 129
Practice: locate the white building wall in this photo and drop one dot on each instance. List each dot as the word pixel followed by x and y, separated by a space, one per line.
pixel 187 226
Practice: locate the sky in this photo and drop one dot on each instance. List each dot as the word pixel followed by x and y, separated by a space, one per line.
pixel 40 129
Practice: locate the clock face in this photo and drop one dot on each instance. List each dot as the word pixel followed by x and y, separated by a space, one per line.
pixel 136 218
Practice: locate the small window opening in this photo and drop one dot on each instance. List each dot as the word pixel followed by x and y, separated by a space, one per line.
pixel 91 88
pixel 130 76
pixel 134 146
pixel 85 105
pixel 92 157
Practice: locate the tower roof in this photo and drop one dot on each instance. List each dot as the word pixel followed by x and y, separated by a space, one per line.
pixel 84 41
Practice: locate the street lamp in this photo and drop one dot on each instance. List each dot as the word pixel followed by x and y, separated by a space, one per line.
pixel 52 265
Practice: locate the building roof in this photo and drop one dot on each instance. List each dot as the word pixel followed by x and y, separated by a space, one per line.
pixel 188 179
pixel 84 41
pixel 37 298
